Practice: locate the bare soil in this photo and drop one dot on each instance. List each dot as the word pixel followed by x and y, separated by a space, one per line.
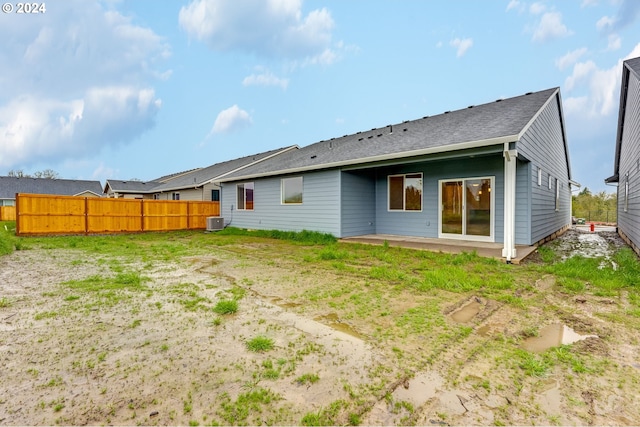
pixel 160 356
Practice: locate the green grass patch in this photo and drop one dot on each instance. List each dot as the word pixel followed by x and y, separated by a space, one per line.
pixel 260 344
pixel 239 411
pixel 228 306
pixel 307 379
pixel 8 241
pixel 326 416
pixel 304 236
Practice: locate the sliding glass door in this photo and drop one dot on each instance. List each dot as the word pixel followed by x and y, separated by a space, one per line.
pixel 467 208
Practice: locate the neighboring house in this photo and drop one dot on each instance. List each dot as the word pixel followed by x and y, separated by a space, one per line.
pixel 10 185
pixel 118 189
pixel 497 172
pixel 196 184
pixel 627 161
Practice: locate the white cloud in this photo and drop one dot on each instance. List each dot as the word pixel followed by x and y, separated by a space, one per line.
pixel 570 58
pixel 513 4
pixel 274 28
pixel 581 72
pixel 537 8
pixel 588 3
pixel 627 15
pixel 605 23
pixel 615 42
pixel 75 80
pixel 265 79
pixel 550 27
pixel 231 119
pixel 33 128
pixel 600 85
pixel 461 45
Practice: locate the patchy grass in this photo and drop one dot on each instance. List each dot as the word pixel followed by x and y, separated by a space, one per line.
pixel 303 237
pixel 229 306
pixel 260 343
pixel 397 299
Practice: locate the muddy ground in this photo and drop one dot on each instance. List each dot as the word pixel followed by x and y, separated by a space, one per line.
pixel 158 355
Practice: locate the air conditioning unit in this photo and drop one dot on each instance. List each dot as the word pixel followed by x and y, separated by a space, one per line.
pixel 215 223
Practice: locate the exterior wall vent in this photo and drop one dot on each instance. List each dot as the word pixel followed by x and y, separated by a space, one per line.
pixel 215 223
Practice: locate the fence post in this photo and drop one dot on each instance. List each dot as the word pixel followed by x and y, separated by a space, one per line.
pixel 86 216
pixel 141 214
pixel 17 214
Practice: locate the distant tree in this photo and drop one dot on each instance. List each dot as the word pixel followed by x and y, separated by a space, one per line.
pixel 47 173
pixel 595 207
pixel 17 173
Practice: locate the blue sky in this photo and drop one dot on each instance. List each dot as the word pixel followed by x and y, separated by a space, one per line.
pixel 142 88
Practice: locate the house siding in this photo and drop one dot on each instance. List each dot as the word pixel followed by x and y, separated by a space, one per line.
pixel 358 194
pixel 319 211
pixel 425 223
pixel 629 166
pixel 523 203
pixel 543 145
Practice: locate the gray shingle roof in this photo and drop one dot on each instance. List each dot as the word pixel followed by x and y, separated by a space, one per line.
pixel 199 177
pixel 120 186
pixel 483 124
pixel 192 178
pixel 9 186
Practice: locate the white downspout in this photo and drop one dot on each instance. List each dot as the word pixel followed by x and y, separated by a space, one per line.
pixel 509 250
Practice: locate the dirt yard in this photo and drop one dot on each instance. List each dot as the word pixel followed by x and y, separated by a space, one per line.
pixel 154 352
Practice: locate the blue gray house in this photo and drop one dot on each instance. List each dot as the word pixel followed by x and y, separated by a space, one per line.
pixel 497 172
pixel 627 161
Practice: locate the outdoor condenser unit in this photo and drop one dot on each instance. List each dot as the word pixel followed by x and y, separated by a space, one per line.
pixel 215 223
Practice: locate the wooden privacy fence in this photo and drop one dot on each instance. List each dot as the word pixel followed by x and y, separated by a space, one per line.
pixel 7 213
pixel 49 214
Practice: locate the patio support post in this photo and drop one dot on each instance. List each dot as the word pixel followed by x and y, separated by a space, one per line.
pixel 509 250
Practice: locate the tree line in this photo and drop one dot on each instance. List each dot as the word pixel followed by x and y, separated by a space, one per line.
pixel 47 174
pixel 601 207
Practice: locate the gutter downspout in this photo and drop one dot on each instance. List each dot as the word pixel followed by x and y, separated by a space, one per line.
pixel 509 250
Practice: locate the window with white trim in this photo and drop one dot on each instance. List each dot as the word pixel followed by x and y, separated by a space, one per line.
pixel 244 192
pixel 291 191
pixel 557 195
pixel 405 192
pixel 626 192
pixel 539 176
pixel 175 196
pixel 549 181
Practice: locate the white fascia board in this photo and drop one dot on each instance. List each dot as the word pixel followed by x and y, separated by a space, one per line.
pixel 382 157
pixel 218 178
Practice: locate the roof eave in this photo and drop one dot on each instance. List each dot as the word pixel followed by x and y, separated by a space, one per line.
pixel 383 157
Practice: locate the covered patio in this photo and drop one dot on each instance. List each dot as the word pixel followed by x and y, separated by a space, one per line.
pixel 454 246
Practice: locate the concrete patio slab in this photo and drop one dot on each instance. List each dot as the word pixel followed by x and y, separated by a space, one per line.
pixel 483 249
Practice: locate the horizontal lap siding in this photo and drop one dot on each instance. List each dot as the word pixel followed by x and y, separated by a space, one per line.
pixel 543 145
pixel 358 204
pixel 425 223
pixel 629 222
pixel 523 203
pixel 318 212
